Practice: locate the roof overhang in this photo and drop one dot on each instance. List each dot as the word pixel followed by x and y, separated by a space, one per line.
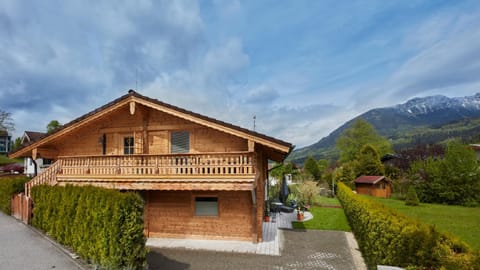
pixel 279 149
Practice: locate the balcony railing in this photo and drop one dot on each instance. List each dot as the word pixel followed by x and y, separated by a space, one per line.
pixel 168 166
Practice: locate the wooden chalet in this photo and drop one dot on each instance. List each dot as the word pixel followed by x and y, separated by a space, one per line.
pixel 199 177
pixel 377 186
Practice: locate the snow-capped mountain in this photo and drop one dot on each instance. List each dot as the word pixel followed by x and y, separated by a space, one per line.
pixel 431 104
pixel 419 120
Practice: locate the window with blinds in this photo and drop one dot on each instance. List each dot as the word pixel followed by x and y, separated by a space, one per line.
pixel 206 206
pixel 180 142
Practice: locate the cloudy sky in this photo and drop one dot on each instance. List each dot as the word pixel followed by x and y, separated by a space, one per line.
pixel 302 67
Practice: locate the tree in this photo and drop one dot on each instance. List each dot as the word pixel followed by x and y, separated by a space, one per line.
pixel 6 122
pixel 53 125
pixel 346 173
pixel 279 170
pixel 311 167
pixel 455 179
pixel 368 162
pixel 412 198
pixel 17 143
pixel 359 134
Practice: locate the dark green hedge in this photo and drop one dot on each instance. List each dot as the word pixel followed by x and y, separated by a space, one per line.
pixel 103 226
pixel 387 237
pixel 8 187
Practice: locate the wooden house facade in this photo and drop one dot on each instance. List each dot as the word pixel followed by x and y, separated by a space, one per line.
pixel 377 186
pixel 199 177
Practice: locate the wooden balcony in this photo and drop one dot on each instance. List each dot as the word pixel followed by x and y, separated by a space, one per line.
pixel 206 171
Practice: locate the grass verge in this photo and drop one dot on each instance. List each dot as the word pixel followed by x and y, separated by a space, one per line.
pixel 325 219
pixel 458 221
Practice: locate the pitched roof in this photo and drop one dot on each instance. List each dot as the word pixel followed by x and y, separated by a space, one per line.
pixel 136 97
pixel 369 179
pixel 34 136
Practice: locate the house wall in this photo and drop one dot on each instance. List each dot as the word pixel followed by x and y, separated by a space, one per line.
pixel 365 189
pixel 171 214
pixel 151 131
pixel 374 190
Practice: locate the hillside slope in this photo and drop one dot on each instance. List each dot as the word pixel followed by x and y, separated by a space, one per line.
pixel 431 119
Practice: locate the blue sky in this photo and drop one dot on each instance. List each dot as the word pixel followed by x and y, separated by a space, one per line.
pixel 302 67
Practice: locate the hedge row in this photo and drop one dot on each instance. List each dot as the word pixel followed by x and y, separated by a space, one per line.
pixel 8 187
pixel 103 226
pixel 387 237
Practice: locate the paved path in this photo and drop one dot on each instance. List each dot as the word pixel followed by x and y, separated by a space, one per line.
pixel 310 249
pixel 22 248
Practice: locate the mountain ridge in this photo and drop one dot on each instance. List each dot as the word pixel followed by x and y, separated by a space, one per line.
pixel 417 118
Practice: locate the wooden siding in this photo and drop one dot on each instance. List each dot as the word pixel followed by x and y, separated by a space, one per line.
pixel 171 214
pixel 374 190
pixel 150 130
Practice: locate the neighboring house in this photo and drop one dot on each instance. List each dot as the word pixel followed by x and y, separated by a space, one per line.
pixel 30 137
pixel 5 142
pixel 377 186
pixel 199 177
pixel 476 148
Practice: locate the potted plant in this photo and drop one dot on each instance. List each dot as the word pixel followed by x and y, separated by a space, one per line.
pixel 300 213
pixel 266 217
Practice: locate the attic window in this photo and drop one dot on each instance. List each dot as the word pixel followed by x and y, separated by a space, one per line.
pixel 128 146
pixel 180 142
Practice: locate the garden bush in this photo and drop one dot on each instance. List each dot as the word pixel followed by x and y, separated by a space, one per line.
pixel 8 187
pixel 412 198
pixel 103 226
pixel 387 237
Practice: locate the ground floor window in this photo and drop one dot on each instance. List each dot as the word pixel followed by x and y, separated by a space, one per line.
pixel 206 206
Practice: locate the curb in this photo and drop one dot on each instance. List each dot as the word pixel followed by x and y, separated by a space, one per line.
pixel 71 256
pixel 355 252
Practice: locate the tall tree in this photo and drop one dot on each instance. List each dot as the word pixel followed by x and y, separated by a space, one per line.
pixel 455 179
pixel 52 126
pixel 359 134
pixel 311 167
pixel 6 121
pixel 369 162
pixel 17 143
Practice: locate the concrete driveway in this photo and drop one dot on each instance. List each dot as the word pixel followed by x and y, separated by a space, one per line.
pixel 310 249
pixel 23 248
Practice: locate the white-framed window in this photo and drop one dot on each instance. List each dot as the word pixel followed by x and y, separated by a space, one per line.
pixel 206 206
pixel 128 145
pixel 180 142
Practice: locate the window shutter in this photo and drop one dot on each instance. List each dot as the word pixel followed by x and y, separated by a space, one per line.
pixel 180 142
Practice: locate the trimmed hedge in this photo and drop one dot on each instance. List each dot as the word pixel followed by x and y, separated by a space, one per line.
pixel 387 237
pixel 10 186
pixel 103 226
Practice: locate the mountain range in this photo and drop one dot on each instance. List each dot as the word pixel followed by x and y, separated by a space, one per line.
pixel 432 119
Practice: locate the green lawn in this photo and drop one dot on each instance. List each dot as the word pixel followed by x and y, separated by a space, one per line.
pixel 325 201
pixel 5 160
pixel 325 219
pixel 459 221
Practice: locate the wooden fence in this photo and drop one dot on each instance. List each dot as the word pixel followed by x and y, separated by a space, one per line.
pixel 21 207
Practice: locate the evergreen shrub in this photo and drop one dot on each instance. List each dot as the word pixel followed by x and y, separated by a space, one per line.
pixel 387 237
pixel 10 186
pixel 103 226
pixel 412 198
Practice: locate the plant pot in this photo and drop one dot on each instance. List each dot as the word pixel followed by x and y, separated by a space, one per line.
pixel 266 218
pixel 300 216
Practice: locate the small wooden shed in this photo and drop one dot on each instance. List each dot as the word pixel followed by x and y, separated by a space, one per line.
pixel 377 186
